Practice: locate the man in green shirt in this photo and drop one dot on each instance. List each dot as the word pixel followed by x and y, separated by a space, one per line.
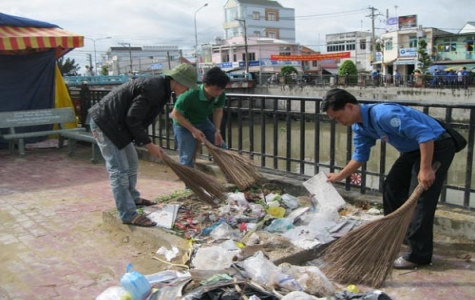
pixel 192 111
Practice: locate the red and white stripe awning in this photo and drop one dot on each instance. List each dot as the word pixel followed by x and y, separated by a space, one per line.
pixel 14 38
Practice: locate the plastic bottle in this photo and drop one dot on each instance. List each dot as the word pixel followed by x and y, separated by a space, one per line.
pixel 135 283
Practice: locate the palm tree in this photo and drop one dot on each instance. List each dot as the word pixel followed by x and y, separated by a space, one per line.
pixel 68 66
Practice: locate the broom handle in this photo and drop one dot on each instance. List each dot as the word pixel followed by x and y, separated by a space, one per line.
pixel 414 196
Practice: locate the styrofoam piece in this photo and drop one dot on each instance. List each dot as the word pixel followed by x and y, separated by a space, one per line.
pixel 323 191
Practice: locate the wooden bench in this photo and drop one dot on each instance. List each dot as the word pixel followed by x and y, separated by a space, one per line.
pixel 84 136
pixel 16 121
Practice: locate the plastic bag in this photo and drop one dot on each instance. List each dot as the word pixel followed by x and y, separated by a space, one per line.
pixel 280 225
pixel 224 231
pixel 310 278
pixel 290 201
pixel 136 284
pixel 214 258
pixel 112 293
pixel 263 271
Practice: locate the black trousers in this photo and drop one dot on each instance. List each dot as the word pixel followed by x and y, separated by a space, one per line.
pixel 401 182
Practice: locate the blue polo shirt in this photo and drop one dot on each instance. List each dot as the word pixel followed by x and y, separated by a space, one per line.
pixel 400 126
pixel 195 107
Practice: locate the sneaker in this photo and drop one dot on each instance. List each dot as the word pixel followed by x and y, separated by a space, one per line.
pixel 404 264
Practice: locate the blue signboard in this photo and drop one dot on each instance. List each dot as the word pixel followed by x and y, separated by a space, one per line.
pixel 226 65
pixel 408 52
pixel 156 66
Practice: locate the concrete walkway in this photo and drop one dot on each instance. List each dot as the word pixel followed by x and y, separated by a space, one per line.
pixel 55 244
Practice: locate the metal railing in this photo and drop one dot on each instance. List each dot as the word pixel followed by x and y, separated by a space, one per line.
pixel 290 136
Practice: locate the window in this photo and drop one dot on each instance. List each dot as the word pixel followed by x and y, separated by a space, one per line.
pixel 272 35
pixel 350 46
pixel 469 46
pixel 388 45
pixel 336 47
pixel 225 58
pixel 450 45
pixel 314 63
pixel 234 57
pixel 256 15
pixel 412 42
pixel 284 51
pixel 362 44
pixel 250 56
pixel 271 16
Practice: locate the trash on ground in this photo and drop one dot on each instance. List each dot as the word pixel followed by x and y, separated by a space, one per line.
pixel 231 246
pixel 166 216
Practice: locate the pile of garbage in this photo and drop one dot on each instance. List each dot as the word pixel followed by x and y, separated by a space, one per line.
pixel 233 249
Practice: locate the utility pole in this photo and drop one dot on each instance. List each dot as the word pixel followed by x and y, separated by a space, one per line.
pixel 196 32
pixel 245 44
pixel 168 60
pixel 373 37
pixel 95 52
pixel 89 56
pixel 130 55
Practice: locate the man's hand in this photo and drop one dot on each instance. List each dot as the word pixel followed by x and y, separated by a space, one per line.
pixel 350 168
pixel 426 177
pixel 199 135
pixel 334 177
pixel 154 150
pixel 218 138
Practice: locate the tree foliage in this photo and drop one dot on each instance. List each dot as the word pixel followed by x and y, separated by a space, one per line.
pixel 348 67
pixel 68 66
pixel 286 71
pixel 423 57
pixel 104 70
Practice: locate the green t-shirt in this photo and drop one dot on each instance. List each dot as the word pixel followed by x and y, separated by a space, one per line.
pixel 195 107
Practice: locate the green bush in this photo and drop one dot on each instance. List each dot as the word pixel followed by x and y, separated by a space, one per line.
pixel 348 68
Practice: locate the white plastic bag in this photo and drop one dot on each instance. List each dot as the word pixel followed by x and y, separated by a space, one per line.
pixel 112 293
pixel 310 278
pixel 214 258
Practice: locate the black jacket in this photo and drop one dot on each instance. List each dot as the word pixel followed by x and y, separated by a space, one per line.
pixel 125 114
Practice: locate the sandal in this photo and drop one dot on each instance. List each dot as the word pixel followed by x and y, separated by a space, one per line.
pixel 145 202
pixel 142 221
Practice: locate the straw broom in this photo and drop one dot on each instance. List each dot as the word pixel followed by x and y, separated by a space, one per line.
pixel 238 169
pixel 205 187
pixel 366 255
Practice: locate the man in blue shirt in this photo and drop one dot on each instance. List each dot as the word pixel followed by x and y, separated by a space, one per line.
pixel 465 75
pixel 421 141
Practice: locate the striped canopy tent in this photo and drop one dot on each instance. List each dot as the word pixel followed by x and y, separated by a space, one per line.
pixel 29 75
pixel 24 36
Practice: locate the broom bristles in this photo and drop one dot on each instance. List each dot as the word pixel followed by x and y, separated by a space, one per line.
pixel 205 187
pixel 238 169
pixel 366 255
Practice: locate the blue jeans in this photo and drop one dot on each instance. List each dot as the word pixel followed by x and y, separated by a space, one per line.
pixel 122 166
pixel 186 143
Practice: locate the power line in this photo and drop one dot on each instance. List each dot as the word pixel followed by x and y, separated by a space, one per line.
pixel 343 13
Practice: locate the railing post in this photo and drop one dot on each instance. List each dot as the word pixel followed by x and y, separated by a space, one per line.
pixel 85 101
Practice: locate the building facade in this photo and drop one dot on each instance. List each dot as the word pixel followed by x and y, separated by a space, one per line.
pixel 358 43
pixel 141 60
pixel 261 18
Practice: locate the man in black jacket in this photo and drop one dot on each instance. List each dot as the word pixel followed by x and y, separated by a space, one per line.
pixel 121 120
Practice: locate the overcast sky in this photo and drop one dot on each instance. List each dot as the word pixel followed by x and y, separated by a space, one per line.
pixel 161 22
